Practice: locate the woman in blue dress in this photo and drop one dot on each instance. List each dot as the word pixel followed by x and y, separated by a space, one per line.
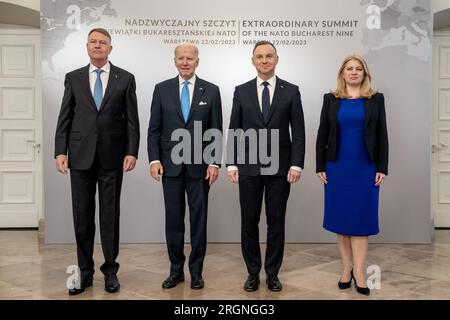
pixel 352 162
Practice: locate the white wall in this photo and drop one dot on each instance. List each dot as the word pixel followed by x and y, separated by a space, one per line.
pixel 32 4
pixel 439 5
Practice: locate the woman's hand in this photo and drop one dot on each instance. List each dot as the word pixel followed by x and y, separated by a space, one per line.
pixel 323 177
pixel 379 178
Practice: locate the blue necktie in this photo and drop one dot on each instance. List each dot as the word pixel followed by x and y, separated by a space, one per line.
pixel 98 89
pixel 265 101
pixel 185 100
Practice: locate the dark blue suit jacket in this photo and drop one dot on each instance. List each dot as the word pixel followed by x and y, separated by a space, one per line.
pixel 285 113
pixel 166 117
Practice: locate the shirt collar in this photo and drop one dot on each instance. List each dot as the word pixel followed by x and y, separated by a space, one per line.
pixel 191 80
pixel 271 81
pixel 105 68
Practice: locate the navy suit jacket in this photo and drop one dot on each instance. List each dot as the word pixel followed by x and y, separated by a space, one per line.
pixel 285 113
pixel 112 132
pixel 166 117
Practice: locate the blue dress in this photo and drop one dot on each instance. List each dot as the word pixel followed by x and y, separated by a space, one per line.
pixel 351 197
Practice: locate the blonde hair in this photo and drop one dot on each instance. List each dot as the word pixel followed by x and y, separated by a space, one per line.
pixel 366 90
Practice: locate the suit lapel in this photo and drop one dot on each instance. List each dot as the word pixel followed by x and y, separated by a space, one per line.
pixel 253 93
pixel 334 108
pixel 367 111
pixel 84 81
pixel 113 79
pixel 199 90
pixel 175 94
pixel 277 95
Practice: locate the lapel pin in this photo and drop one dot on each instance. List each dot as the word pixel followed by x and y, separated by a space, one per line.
pixel 200 88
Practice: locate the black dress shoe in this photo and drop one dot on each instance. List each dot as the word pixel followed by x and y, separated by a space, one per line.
pixel 362 290
pixel 112 284
pixel 173 280
pixel 197 283
pixel 252 283
pixel 346 285
pixel 273 283
pixel 86 283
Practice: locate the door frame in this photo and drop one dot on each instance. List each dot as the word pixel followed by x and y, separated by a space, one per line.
pixel 39 168
pixel 437 223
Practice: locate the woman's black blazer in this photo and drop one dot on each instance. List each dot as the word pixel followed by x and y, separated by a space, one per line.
pixel 376 136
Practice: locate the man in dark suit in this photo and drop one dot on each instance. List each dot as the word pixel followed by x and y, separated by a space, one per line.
pixel 98 127
pixel 265 103
pixel 184 103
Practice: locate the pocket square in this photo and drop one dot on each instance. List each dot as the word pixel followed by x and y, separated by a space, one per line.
pixel 202 103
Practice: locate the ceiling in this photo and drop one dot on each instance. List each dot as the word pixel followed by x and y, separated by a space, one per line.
pixel 26 13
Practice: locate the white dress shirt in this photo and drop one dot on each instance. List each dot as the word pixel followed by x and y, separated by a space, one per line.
pixel 191 86
pixel 103 76
pixel 260 87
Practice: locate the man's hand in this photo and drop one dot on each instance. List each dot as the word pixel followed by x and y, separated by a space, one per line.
pixel 62 163
pixel 129 163
pixel 293 176
pixel 212 173
pixel 156 170
pixel 233 175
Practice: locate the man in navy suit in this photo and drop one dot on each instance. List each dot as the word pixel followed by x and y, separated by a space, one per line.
pixel 98 127
pixel 185 102
pixel 269 105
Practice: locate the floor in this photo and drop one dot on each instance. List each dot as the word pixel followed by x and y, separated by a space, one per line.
pixel 29 269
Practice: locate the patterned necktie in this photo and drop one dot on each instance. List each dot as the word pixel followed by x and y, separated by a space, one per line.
pixel 185 100
pixel 98 89
pixel 265 101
